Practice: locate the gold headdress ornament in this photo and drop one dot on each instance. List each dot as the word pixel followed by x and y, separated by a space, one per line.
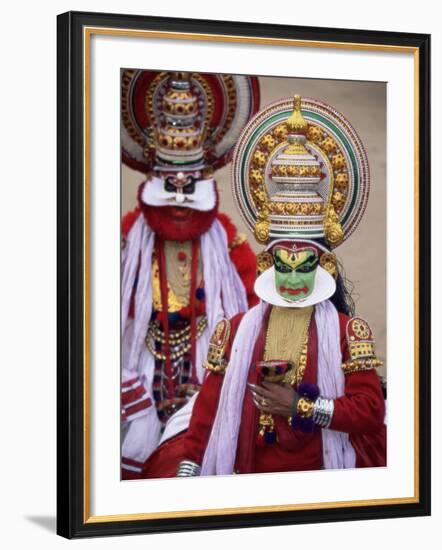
pixel 300 171
pixel 296 123
pixel 183 121
pixel 179 138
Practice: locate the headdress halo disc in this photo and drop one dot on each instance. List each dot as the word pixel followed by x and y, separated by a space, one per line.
pixel 281 198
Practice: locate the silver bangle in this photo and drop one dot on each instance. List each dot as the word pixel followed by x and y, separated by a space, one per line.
pixel 323 412
pixel 187 468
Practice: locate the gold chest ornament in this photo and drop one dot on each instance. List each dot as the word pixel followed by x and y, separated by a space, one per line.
pixel 286 339
pixel 178 268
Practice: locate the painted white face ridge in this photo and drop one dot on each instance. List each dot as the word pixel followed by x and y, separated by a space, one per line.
pixel 203 198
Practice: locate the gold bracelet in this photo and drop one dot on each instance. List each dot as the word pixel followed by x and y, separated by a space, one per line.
pixel 305 407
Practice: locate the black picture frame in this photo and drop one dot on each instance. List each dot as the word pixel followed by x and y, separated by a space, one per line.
pixel 71 518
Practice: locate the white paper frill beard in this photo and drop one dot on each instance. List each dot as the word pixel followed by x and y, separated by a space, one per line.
pixel 203 199
pixel 265 288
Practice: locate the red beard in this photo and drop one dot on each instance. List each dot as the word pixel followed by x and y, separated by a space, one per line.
pixel 175 223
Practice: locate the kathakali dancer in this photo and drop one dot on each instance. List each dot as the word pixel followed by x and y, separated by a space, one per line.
pixel 293 383
pixel 184 265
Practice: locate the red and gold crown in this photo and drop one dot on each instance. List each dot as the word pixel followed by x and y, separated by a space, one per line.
pixel 183 121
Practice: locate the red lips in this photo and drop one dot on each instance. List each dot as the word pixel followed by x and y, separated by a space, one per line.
pixel 293 291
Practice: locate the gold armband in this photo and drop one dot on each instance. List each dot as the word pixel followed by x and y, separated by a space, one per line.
pixel 360 343
pixel 215 361
pixel 360 365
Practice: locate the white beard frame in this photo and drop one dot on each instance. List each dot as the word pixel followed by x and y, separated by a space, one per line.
pixel 202 199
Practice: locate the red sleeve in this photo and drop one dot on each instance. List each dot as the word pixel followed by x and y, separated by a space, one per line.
pixel 243 258
pixel 362 408
pixel 205 407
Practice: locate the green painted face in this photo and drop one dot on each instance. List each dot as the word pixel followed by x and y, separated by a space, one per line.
pixel 295 272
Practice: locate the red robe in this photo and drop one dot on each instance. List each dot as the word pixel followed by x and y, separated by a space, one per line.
pixel 359 412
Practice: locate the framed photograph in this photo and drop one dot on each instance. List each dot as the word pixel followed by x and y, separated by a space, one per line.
pixel 243 274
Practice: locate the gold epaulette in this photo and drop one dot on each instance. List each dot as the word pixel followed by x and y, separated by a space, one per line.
pixel 216 361
pixel 360 343
pixel 238 240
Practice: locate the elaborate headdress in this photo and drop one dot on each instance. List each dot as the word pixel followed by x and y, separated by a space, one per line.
pixel 300 172
pixel 183 121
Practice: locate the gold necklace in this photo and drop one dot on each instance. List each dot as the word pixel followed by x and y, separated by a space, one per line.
pixel 287 339
pixel 182 342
